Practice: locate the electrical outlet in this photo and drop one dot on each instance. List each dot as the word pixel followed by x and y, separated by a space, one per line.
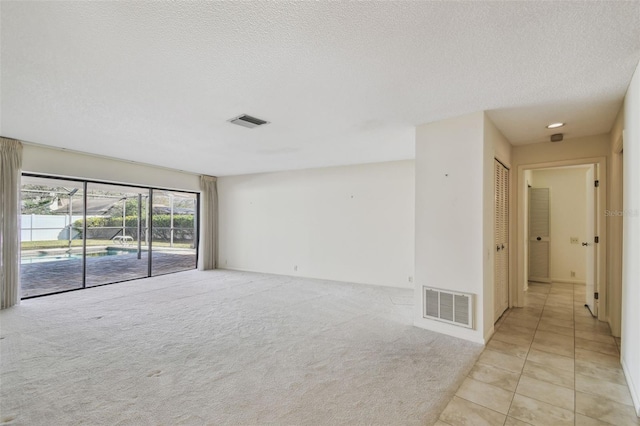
pixel 295 267
pixel 410 279
pixel 573 274
pixel 573 240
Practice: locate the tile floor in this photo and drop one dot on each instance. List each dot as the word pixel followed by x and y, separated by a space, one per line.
pixel 549 363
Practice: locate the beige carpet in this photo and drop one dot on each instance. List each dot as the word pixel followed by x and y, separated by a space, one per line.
pixel 224 347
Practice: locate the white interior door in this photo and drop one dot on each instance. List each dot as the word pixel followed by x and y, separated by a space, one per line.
pixel 589 244
pixel 501 239
pixel 539 234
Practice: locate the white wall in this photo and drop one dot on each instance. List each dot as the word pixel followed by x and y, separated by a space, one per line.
pixel 568 219
pixel 454 215
pixel 498 146
pixel 36 227
pixel 631 244
pixel 614 226
pixel 569 149
pixel 57 162
pixel 352 223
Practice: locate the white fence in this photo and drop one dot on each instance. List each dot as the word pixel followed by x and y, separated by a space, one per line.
pixel 40 227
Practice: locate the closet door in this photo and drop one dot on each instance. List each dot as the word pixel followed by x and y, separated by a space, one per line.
pixel 539 234
pixel 501 238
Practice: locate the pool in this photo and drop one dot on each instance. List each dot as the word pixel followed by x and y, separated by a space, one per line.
pixel 44 257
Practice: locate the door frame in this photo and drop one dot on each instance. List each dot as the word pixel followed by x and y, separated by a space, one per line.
pixel 519 284
pixel 592 193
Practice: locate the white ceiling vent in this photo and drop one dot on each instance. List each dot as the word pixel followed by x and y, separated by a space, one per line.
pixel 454 308
pixel 245 120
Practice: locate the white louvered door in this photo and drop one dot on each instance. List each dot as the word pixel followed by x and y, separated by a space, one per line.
pixel 539 234
pixel 501 238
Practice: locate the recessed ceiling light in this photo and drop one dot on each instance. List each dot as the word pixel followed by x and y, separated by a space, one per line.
pixel 555 125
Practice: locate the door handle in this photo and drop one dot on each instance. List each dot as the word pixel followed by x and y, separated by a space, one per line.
pixel 497 248
pixel 539 238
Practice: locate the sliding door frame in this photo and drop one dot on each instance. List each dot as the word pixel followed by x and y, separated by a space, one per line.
pixel 85 183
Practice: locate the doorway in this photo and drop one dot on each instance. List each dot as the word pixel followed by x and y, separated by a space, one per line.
pixel 575 255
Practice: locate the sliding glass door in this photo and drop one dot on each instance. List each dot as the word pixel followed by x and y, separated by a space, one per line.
pixel 51 242
pixel 78 234
pixel 174 232
pixel 117 239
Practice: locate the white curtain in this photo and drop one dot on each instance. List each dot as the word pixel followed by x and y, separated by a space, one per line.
pixel 209 223
pixel 10 173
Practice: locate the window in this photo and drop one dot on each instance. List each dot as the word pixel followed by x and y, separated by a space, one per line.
pixel 78 233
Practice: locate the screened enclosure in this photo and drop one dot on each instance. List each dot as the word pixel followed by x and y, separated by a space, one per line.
pixel 77 233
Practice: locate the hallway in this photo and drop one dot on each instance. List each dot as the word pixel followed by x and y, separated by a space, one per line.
pixel 549 363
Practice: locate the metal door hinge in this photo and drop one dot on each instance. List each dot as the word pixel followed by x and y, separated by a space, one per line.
pixel 595 295
pixel 597 183
pixel 596 239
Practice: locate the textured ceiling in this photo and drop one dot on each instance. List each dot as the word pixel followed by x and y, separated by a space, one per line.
pixel 341 83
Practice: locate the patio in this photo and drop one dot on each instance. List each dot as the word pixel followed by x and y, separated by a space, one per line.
pixel 66 274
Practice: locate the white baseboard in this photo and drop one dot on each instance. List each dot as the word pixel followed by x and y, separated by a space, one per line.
pixel 298 275
pixel 451 330
pixel 561 281
pixel 635 396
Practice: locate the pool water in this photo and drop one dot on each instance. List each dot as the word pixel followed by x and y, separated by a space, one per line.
pixel 41 258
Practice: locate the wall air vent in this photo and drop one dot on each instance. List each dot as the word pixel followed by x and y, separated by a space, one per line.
pixel 557 137
pixel 245 120
pixel 450 307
